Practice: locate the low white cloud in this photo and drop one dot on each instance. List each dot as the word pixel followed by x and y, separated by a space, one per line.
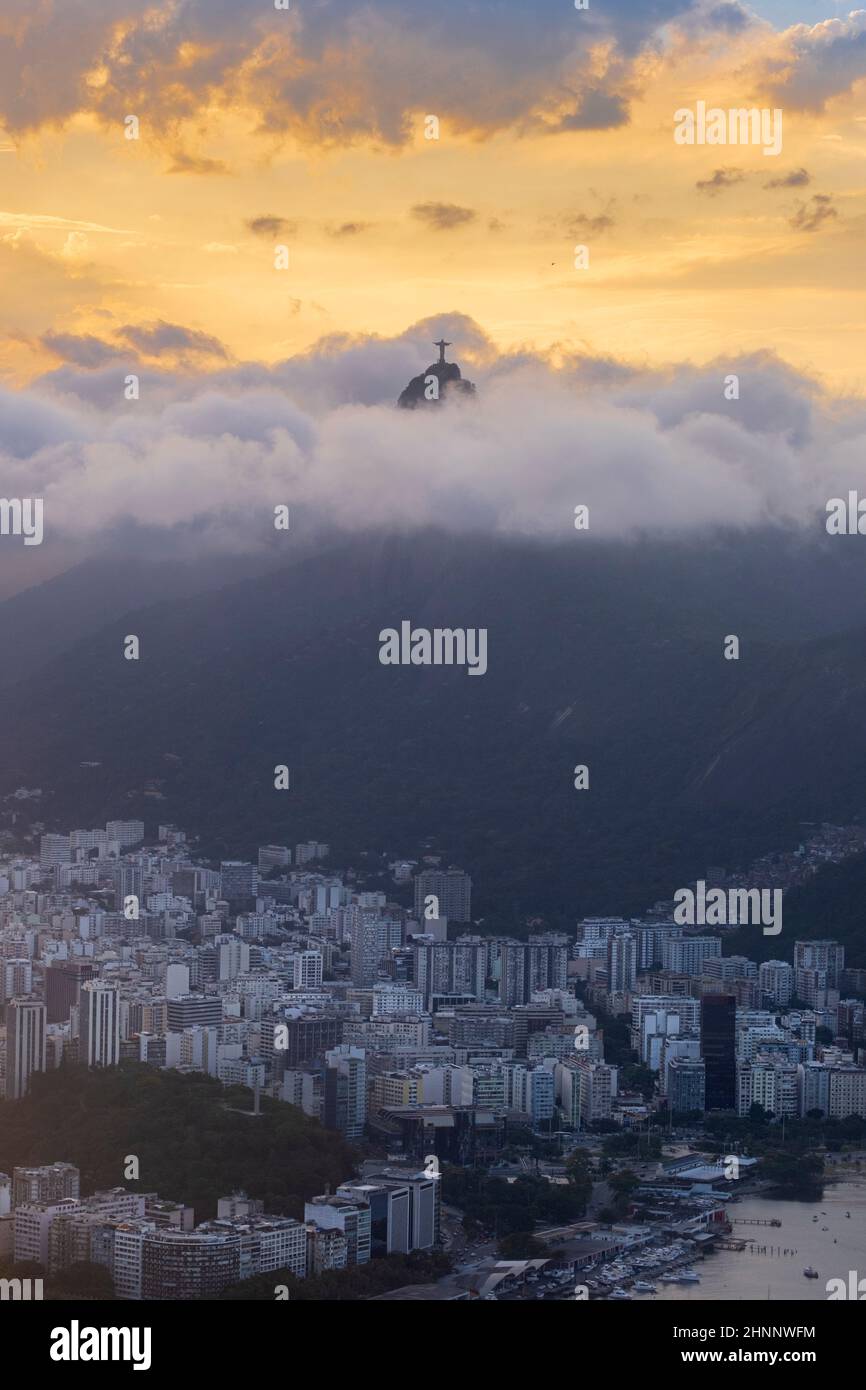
pixel 212 454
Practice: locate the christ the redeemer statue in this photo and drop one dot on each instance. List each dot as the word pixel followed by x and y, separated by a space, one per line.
pixel 447 379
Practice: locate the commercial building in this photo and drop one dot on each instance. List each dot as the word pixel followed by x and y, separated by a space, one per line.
pixel 686 1085
pixel 718 1049
pixel 193 1010
pixel 99 1024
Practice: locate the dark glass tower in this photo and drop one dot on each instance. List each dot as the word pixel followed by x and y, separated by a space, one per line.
pixel 718 1018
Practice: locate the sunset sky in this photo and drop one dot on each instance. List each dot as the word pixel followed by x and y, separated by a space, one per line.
pixel 306 128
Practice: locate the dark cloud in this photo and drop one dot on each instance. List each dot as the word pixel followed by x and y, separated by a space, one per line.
pixel 812 215
pixel 721 179
pixel 331 72
pixel 349 229
pixel 597 110
pixel 195 164
pixel 797 178
pixel 154 339
pixel 583 223
pixel 443 217
pixel 83 350
pixel 271 226
pixel 730 17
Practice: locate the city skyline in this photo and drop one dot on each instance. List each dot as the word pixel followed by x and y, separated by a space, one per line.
pixel 432 839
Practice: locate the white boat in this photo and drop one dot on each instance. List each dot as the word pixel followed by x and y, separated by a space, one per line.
pixel 620 1293
pixel 641 1286
pixel 688 1276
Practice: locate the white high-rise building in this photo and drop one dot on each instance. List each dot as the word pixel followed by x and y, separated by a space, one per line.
pixel 33 1221
pixel 47 1182
pixel 826 956
pixel 450 967
pixel 686 955
pixel 396 998
pixel 307 969
pixel 87 839
pixel 25 1044
pixel 676 1049
pixel 366 949
pixel 770 1082
pixel 814 1080
pixel 176 981
pixel 54 849
pixel 125 832
pixel 274 857
pixel 847 1092
pixel 128 1256
pixel 16 978
pixel 621 963
pixel 538 1095
pixel 195 1047
pixel 597 931
pixel 389 1204
pixel 99 1024
pixel 656 1027
pixel 755 1037
pixel 776 980
pixel 344 1214
pixel 598 1086
pixel 585 1091
pixel 346 1090
pixel 655 1017
pixel 234 957
pixel 312 849
pixel 298 1088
